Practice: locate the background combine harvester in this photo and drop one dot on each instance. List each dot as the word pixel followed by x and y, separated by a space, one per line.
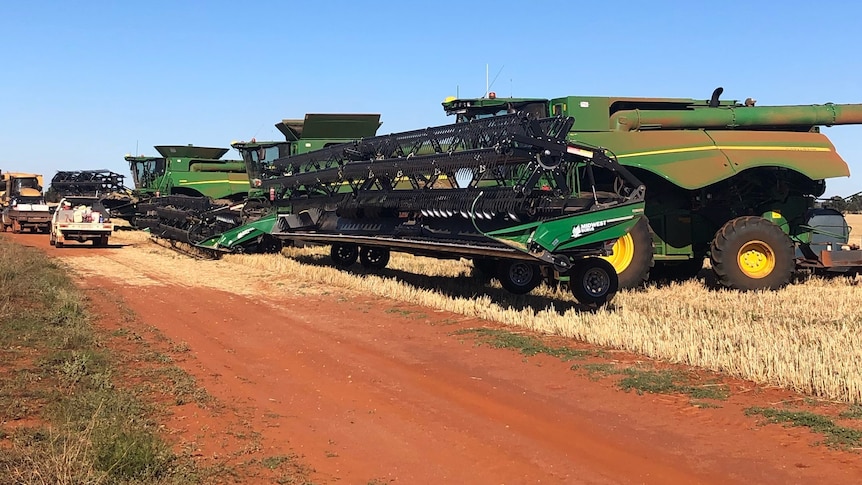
pixel 190 194
pixel 508 192
pixel 729 180
pixel 185 190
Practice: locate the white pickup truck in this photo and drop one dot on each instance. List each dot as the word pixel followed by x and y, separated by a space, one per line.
pixel 80 219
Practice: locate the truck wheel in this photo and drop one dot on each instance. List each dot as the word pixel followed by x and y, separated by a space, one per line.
pixel 751 253
pixel 344 255
pixel 58 243
pixel 632 255
pixel 593 282
pixel 101 242
pixel 374 258
pixel 16 227
pixel 519 277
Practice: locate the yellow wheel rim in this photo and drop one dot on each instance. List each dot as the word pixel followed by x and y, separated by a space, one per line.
pixel 756 259
pixel 623 253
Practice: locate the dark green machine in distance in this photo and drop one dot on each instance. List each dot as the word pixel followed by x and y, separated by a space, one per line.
pixel 508 192
pixel 187 189
pixel 732 181
pixel 196 195
pixel 189 170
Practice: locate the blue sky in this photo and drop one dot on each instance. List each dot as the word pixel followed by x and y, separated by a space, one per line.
pixel 84 83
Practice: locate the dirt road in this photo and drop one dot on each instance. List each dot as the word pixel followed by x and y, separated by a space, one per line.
pixel 367 390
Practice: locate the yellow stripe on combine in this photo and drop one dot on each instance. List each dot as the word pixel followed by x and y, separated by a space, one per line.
pixel 728 147
pixel 241 182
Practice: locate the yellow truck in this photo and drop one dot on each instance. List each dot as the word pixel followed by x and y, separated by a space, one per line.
pixel 80 219
pixel 22 203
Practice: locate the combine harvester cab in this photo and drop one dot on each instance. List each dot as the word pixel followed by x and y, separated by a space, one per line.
pixel 22 206
pixel 731 181
pixel 509 192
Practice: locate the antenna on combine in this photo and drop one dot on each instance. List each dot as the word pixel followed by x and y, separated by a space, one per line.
pixel 489 86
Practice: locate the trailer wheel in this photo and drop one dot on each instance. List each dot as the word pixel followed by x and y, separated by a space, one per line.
pixel 593 282
pixel 373 258
pixel 632 255
pixel 344 255
pixel 519 277
pixel 752 253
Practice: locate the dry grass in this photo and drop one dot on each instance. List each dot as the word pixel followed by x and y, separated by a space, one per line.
pixel 855 221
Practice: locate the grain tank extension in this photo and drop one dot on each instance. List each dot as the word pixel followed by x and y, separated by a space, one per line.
pixel 731 181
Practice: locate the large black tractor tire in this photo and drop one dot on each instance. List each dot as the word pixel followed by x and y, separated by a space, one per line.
pixel 593 282
pixel 344 255
pixel 633 256
pixel 752 253
pixel 519 277
pixel 373 257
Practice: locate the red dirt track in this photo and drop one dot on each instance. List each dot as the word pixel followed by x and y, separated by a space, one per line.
pixel 362 394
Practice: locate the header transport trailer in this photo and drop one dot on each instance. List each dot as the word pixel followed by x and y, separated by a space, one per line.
pixel 508 192
pixel 732 181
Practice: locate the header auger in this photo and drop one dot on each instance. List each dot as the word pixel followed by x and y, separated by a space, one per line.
pixel 509 192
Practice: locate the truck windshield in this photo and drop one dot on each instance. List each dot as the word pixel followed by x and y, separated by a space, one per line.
pixel 27 183
pixel 145 171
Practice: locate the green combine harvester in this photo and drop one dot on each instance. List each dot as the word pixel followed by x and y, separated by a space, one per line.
pixel 189 193
pixel 185 189
pixel 508 192
pixel 189 170
pixel 726 180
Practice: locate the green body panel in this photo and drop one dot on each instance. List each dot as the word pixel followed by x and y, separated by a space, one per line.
pixel 190 151
pixel 239 236
pixel 190 170
pixel 704 161
pixel 330 126
pixel 566 233
pixel 693 159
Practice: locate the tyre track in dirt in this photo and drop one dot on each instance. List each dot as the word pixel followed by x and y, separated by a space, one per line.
pixel 363 392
